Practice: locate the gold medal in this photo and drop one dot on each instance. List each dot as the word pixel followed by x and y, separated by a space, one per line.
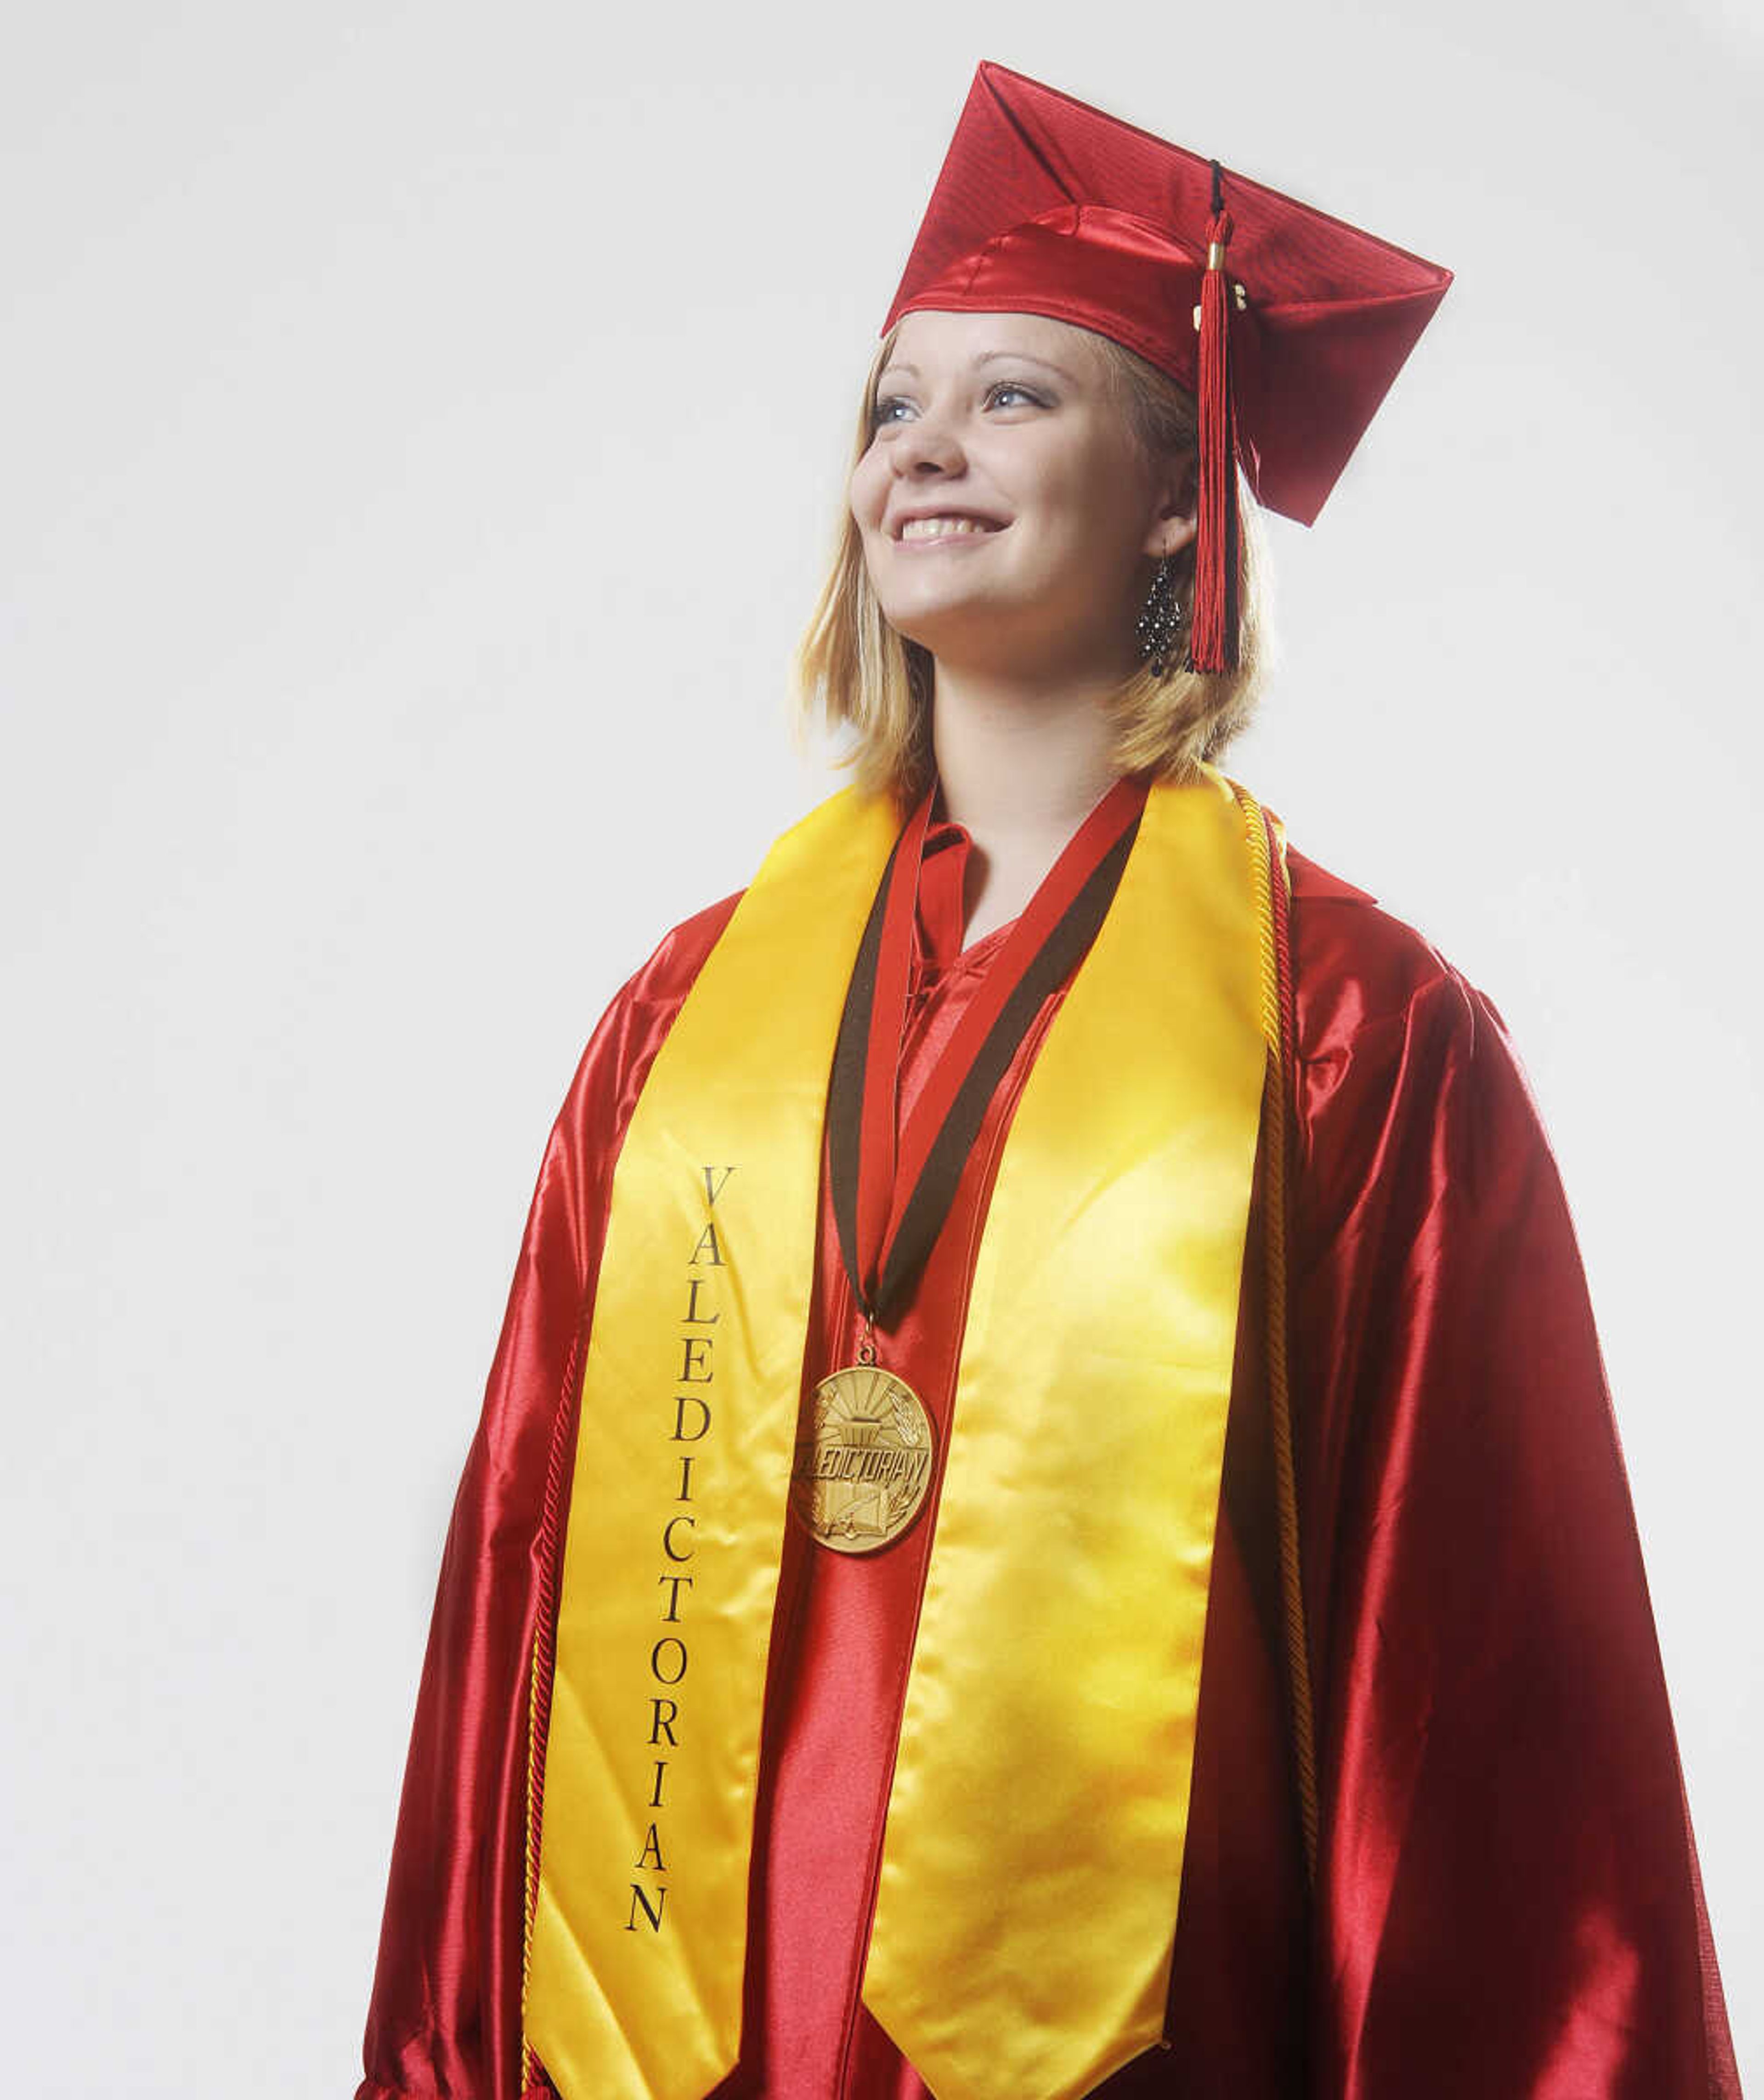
pixel 861 1474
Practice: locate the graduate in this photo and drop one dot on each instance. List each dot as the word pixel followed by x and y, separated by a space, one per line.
pixel 1046 1519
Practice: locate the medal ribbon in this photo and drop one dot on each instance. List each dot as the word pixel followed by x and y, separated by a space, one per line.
pixel 889 1200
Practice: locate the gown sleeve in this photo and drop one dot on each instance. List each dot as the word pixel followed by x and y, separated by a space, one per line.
pixel 1509 1901
pixel 443 2020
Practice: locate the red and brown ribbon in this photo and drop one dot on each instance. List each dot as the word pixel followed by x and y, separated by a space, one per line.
pixel 891 1195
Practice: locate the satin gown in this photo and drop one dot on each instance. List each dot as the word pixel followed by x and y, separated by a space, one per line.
pixel 1508 1903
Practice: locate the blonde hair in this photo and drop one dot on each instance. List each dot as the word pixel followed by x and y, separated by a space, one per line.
pixel 854 670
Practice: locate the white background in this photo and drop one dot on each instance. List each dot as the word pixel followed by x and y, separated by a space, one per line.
pixel 421 431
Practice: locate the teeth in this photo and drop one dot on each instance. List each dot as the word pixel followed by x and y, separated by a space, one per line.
pixel 939 528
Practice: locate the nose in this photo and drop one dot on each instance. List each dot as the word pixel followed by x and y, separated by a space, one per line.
pixel 924 447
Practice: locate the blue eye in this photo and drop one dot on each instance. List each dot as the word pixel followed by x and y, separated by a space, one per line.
pixel 883 411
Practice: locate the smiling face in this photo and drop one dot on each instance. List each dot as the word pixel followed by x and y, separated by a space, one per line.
pixel 1009 520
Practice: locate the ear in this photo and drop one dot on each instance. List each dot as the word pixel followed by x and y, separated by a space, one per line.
pixel 1178 500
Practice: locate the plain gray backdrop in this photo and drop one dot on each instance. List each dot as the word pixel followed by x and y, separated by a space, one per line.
pixel 423 430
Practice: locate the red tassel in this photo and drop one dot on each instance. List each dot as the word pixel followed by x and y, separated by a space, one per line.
pixel 1213 631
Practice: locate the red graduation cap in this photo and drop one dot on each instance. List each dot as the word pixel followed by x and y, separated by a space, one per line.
pixel 1287 325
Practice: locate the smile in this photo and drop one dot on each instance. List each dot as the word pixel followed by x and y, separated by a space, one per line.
pixel 921 530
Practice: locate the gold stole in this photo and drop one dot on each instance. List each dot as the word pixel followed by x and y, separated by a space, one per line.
pixel 1033 1852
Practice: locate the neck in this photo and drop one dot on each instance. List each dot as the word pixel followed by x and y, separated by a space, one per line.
pixel 1021 767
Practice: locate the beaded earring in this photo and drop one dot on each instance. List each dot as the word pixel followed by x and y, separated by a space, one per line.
pixel 1159 625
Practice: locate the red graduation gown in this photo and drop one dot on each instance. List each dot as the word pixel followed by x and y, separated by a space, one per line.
pixel 1508 1901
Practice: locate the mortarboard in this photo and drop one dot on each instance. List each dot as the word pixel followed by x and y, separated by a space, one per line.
pixel 1287 325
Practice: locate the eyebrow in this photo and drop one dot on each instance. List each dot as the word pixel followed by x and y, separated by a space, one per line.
pixel 986 357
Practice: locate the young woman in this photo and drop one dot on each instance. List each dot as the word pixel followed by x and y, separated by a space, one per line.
pixel 1046 1519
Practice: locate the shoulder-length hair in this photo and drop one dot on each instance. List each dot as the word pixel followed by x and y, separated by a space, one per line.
pixel 854 671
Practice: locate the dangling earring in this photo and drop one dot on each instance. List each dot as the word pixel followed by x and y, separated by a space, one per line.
pixel 1159 626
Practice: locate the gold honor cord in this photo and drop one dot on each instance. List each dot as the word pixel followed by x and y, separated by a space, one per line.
pixel 1266 839
pixel 1033 1850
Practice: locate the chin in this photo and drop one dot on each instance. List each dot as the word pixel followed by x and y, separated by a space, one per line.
pixel 945 630
pixel 950 610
